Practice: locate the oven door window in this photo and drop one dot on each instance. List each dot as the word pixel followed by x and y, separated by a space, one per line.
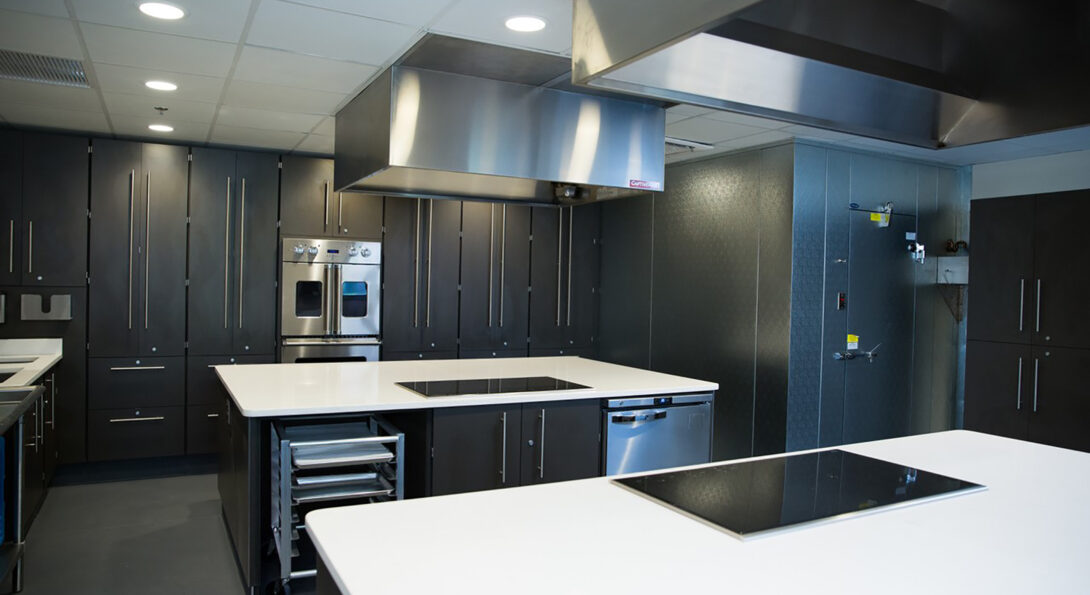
pixel 308 299
pixel 354 299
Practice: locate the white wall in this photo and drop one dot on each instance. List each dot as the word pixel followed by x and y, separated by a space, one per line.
pixel 1034 175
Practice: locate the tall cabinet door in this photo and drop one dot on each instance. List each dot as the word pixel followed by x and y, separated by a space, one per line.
pixel 11 211
pixel 439 271
pixel 1058 402
pixel 560 441
pixel 307 197
pixel 998 388
pixel 476 448
pixel 55 174
pixel 1060 254
pixel 114 300
pixel 255 260
pixel 212 199
pixel 164 206
pixel 546 278
pixel 359 215
pixel 495 276
pixel 401 246
pixel 1001 270
pixel 583 276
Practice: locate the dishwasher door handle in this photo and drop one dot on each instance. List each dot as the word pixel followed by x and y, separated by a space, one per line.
pixel 633 418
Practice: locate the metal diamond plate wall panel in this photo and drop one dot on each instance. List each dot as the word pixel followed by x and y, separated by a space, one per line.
pixel 625 306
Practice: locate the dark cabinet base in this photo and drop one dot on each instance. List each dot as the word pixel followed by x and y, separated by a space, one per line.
pixel 135 433
pixel 201 428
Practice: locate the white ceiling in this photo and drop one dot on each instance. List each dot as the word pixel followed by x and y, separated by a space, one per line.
pixel 271 73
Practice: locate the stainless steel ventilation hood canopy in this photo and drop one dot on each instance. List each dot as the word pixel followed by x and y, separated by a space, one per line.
pixel 930 73
pixel 461 119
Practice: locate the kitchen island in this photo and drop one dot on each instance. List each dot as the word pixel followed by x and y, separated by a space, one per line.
pixel 1028 532
pixel 463 442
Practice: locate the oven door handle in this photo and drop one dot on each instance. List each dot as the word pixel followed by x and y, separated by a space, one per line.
pixel 628 418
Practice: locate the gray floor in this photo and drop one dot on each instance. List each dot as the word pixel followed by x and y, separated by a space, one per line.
pixel 162 536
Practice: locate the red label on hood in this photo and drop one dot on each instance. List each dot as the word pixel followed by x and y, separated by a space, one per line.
pixel 645 185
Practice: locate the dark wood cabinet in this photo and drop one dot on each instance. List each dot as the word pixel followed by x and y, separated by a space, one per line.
pixel 205 396
pixel 135 432
pixel 564 277
pixel 238 482
pixel 11 206
pixel 560 441
pixel 135 407
pixel 1001 270
pixel 495 276
pixel 137 267
pixel 480 448
pixel 417 355
pixel 1059 403
pixel 232 253
pixel 421 248
pixel 33 466
pixel 1061 254
pixel 998 388
pixel 305 196
pixel 490 353
pixel 135 382
pixel 359 215
pixel 55 174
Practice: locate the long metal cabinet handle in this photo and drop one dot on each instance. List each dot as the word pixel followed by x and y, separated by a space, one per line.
pixel 132 217
pixel 30 246
pixel 503 449
pixel 1038 323
pixel 53 401
pixel 147 251
pixel 227 254
pixel 571 233
pixel 325 220
pixel 503 258
pixel 340 211
pixel 136 368
pixel 1036 370
pixel 427 298
pixel 541 447
pixel 11 246
pixel 416 267
pixel 559 259
pixel 241 246
pixel 491 252
pixel 1019 402
pixel 119 420
pixel 1021 302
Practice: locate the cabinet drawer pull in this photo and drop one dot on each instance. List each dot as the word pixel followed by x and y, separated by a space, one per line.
pixel 1038 323
pixel 30 246
pixel 135 368
pixel 503 258
pixel 559 260
pixel 213 415
pixel 491 252
pixel 325 221
pixel 121 420
pixel 541 447
pixel 1019 402
pixel 1036 371
pixel 1021 303
pixel 503 449
pixel 416 267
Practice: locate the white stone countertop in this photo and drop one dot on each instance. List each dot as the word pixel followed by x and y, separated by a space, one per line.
pixel 272 390
pixel 1029 532
pixel 27 359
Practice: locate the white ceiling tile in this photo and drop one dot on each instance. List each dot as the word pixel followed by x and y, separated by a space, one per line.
pixel 220 20
pixel 410 12
pixel 327 127
pixel 51 117
pixel 156 51
pixel 124 79
pixel 336 35
pixel 138 127
pixel 747 120
pixel 245 117
pixel 274 67
pixel 36 34
pixel 762 138
pixel 316 143
pixel 688 110
pixel 49 95
pixel 285 99
pixel 253 137
pixel 709 131
pixel 672 117
pixel 49 8
pixel 484 20
pixel 143 106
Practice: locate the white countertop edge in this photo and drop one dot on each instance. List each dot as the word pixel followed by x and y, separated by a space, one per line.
pixel 47 352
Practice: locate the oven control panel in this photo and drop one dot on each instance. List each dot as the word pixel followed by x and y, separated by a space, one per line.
pixel 329 251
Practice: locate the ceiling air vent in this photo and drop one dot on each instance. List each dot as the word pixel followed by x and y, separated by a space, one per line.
pixel 36 68
pixel 680 145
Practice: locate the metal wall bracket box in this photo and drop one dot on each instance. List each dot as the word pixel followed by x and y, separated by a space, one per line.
pixel 60 307
pixel 952 270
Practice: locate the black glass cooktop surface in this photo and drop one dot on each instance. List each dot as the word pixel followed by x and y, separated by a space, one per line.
pixel 754 498
pixel 489 386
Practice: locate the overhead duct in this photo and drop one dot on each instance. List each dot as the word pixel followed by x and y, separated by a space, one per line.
pixel 460 119
pixel 930 73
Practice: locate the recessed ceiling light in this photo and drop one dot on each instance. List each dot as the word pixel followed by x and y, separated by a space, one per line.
pixel 162 10
pixel 161 85
pixel 161 127
pixel 525 24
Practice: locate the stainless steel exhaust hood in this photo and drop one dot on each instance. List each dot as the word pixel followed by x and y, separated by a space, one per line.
pixel 460 119
pixel 930 73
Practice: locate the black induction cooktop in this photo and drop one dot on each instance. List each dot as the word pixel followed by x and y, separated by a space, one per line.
pixel 489 386
pixel 754 498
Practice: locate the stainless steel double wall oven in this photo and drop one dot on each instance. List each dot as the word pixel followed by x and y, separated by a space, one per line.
pixel 330 300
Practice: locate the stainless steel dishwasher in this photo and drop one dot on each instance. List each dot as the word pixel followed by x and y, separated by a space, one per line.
pixel 647 433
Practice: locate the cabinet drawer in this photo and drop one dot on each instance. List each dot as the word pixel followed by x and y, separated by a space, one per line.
pixel 136 382
pixel 203 387
pixel 394 356
pixel 485 353
pixel 201 428
pixel 135 433
pixel 587 352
